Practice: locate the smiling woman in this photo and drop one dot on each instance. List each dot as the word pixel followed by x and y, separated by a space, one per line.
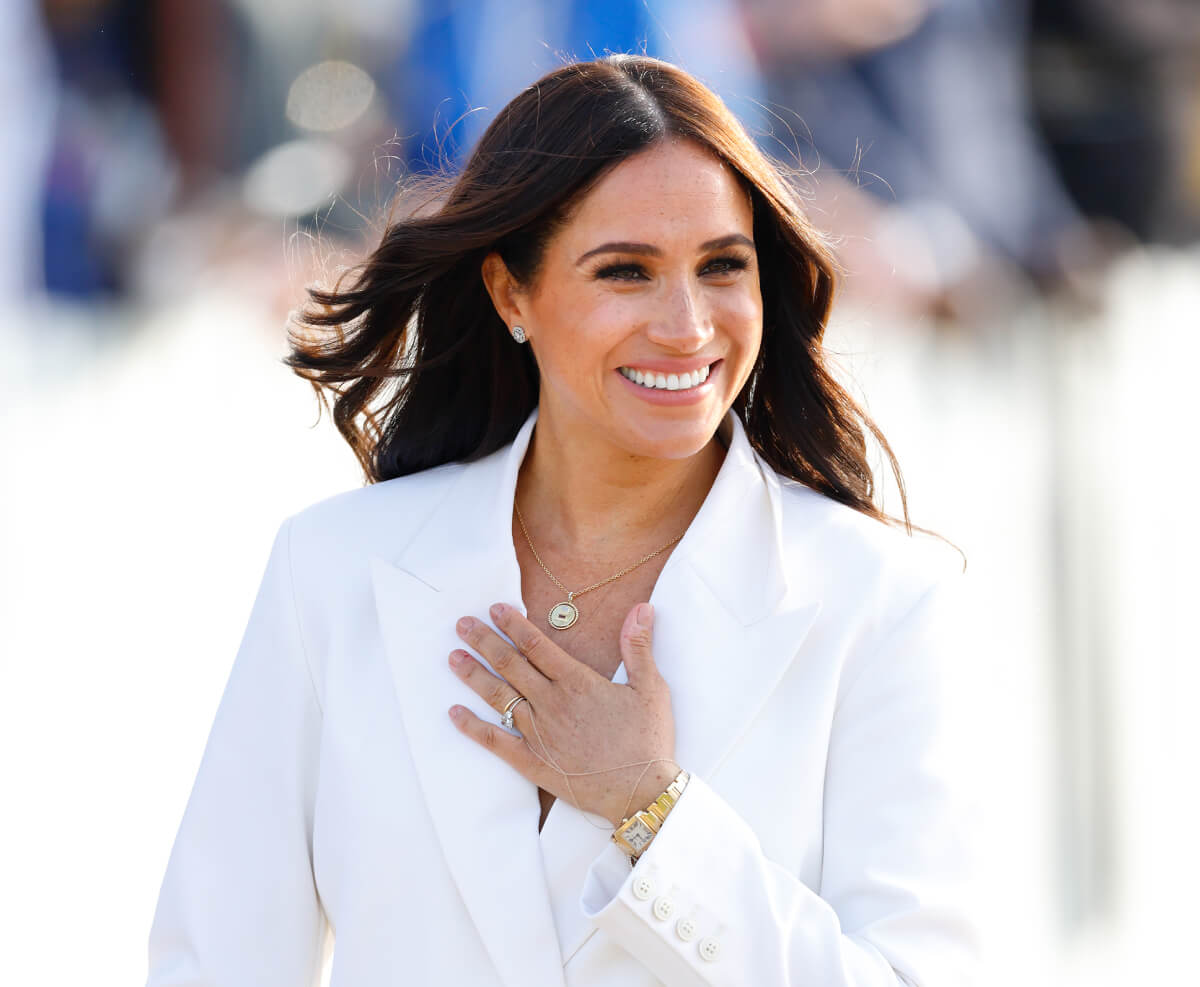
pixel 462 394
pixel 700 734
pixel 681 297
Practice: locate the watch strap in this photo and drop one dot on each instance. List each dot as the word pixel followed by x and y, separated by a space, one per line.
pixel 637 831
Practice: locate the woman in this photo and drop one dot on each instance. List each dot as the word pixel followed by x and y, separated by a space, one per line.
pixel 619 505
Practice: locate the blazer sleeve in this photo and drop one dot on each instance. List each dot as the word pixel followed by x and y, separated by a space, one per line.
pixel 238 905
pixel 898 867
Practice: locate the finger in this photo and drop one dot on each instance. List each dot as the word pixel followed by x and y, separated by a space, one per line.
pixel 499 741
pixel 543 654
pixel 498 694
pixel 506 660
pixel 637 637
pixel 492 689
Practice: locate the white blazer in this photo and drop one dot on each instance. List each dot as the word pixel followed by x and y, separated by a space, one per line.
pixel 821 840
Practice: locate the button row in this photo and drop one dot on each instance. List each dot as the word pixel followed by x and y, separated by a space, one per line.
pixel 685 928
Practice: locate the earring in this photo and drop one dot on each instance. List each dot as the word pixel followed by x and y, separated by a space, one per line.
pixel 518 334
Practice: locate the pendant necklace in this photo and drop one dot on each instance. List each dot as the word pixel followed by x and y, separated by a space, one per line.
pixel 563 615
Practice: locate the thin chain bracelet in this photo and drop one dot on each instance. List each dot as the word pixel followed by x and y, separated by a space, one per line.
pixel 568 775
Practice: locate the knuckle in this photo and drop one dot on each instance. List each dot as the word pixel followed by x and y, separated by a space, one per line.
pixel 502 660
pixel 639 638
pixel 529 641
pixel 498 695
pixel 489 737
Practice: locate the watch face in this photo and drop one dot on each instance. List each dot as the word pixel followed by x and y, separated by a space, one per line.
pixel 638 836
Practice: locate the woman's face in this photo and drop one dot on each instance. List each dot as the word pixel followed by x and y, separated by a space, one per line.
pixel 654 279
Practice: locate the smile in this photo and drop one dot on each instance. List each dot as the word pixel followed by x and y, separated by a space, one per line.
pixel 665 382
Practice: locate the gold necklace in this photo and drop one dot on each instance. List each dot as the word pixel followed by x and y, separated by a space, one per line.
pixel 563 615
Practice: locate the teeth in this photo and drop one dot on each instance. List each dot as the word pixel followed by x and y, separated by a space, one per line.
pixel 666 382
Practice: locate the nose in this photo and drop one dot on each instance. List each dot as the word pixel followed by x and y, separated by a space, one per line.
pixel 683 323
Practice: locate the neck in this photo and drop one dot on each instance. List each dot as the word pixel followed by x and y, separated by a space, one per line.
pixel 580 496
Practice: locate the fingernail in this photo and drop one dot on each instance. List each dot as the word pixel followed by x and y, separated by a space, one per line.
pixel 497 610
pixel 457 658
pixel 456 712
pixel 464 625
pixel 645 615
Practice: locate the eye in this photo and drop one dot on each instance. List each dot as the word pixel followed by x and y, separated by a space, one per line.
pixel 621 272
pixel 725 265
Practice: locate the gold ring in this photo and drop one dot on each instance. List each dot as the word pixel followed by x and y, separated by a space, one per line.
pixel 506 719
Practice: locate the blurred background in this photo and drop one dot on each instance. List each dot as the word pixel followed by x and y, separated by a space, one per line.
pixel 1014 186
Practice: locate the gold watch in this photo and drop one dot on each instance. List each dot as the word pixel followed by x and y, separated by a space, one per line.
pixel 636 831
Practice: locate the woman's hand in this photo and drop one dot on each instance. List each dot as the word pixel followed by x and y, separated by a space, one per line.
pixel 586 722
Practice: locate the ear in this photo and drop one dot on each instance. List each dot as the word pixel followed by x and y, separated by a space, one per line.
pixel 510 301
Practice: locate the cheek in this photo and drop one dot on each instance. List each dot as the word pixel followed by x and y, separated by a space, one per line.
pixel 578 334
pixel 606 312
pixel 593 326
pixel 741 312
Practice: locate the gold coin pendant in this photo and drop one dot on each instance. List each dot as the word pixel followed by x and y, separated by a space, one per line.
pixel 563 615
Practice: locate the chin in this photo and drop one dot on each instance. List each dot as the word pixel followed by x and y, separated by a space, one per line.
pixel 669 440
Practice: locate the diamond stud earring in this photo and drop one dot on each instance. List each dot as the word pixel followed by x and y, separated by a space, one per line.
pixel 518 334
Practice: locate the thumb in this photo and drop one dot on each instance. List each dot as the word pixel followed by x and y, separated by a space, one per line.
pixel 637 635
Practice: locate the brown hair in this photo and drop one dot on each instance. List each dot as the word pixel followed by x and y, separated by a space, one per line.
pixel 422 369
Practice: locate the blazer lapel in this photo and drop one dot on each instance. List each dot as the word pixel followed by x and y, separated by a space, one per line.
pixel 460 562
pixel 728 624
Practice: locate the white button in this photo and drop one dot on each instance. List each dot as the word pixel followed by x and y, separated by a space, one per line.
pixel 685 928
pixel 710 948
pixel 663 907
pixel 643 888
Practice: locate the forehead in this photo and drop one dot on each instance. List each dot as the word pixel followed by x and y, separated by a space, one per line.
pixel 675 188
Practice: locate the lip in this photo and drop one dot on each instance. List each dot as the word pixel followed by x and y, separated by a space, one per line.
pixel 657 396
pixel 675 366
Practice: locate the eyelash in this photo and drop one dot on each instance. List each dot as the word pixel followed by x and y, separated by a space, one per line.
pixel 610 270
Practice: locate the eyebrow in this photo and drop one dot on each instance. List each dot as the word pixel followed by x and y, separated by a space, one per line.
pixel 649 250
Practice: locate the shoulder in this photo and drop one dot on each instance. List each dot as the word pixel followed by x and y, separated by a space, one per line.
pixel 378 519
pixel 879 568
pixel 883 592
pixel 861 541
pixel 330 544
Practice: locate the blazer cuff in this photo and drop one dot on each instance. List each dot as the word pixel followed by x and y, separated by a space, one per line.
pixel 656 910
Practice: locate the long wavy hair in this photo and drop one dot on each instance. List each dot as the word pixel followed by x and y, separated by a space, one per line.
pixel 420 367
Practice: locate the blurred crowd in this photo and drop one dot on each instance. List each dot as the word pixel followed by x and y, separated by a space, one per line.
pixel 1014 190
pixel 965 153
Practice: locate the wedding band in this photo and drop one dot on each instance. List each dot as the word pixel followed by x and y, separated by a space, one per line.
pixel 506 719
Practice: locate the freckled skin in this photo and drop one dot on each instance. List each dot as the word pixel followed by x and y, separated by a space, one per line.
pixel 612 474
pixel 686 302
